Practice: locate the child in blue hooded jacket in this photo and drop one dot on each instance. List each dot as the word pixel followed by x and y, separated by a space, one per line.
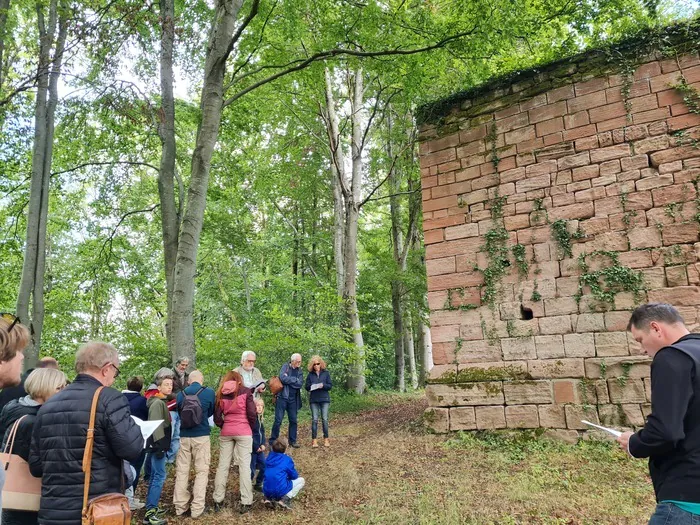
pixel 282 482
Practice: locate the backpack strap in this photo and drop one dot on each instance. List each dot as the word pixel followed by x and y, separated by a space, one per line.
pixel 89 443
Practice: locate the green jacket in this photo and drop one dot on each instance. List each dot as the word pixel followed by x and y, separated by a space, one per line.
pixel 158 409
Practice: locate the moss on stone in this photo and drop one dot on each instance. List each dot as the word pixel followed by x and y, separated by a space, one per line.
pixel 479 375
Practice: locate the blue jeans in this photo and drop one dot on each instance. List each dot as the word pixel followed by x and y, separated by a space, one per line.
pixel 317 408
pixel 669 514
pixel 257 460
pixel 138 465
pixel 175 443
pixel 155 483
pixel 282 406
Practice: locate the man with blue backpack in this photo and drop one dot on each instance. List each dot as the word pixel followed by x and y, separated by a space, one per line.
pixel 195 404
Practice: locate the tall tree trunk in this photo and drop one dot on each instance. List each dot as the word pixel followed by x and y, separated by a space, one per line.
pixel 32 282
pixel 356 375
pixel 170 213
pixel 410 349
pixel 396 286
pixel 219 47
pixel 338 180
pixel 427 347
pixel 4 11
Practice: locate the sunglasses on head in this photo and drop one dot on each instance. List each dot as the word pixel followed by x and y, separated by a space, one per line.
pixel 10 318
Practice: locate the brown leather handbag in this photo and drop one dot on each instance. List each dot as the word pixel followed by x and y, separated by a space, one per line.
pixel 22 491
pixel 276 385
pixel 107 509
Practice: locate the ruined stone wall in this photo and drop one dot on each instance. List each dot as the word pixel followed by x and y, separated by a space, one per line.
pixel 552 206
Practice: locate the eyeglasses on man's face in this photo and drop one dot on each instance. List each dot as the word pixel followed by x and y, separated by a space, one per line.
pixel 10 318
pixel 116 369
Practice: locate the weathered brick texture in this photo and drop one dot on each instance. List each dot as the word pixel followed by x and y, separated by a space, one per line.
pixel 613 160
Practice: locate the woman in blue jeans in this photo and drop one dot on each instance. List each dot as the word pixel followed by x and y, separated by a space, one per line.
pixel 318 383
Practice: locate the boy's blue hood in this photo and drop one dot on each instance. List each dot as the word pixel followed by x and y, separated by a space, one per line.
pixel 275 459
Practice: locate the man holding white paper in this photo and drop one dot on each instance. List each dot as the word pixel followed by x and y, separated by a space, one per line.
pixel 671 436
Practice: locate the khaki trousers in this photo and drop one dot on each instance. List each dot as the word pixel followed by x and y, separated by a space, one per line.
pixel 240 448
pixel 195 450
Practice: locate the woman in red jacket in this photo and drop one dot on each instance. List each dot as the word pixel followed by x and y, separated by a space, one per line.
pixel 235 414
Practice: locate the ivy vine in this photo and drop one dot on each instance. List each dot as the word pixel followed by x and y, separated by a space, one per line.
pixel 607 282
pixel 561 235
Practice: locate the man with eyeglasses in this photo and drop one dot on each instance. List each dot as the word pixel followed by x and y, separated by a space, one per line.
pixel 252 377
pixel 60 434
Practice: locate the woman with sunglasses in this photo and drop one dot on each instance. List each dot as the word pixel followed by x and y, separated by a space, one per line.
pixel 40 385
pixel 318 384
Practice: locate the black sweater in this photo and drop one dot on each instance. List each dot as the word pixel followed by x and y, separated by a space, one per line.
pixel 671 436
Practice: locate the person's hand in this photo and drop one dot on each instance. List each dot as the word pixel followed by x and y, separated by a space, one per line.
pixel 624 441
pixel 262 448
pixel 261 388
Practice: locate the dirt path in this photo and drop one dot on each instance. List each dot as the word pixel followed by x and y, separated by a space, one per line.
pixel 384 468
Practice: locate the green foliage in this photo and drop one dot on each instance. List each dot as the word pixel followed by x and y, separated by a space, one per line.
pixel 520 260
pixel 607 282
pixel 561 235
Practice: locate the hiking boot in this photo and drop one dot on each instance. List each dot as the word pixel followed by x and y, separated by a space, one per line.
pixel 269 504
pixel 218 506
pixel 285 503
pixel 245 508
pixel 152 517
pixel 314 443
pixel 326 442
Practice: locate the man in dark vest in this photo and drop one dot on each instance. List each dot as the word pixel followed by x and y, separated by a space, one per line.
pixel 671 436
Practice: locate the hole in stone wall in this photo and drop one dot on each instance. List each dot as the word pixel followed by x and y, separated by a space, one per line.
pixel 525 313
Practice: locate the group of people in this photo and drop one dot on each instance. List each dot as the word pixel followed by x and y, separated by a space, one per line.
pixel 50 416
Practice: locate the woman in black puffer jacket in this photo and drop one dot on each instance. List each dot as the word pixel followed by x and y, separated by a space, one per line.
pixel 319 383
pixel 40 385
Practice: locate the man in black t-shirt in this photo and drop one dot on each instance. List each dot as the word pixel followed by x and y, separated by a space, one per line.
pixel 671 436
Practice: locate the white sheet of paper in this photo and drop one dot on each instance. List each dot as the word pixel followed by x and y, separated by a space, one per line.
pixel 316 386
pixel 612 431
pixel 147 427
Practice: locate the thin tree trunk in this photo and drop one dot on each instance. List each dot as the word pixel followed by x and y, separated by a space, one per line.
pixel 338 178
pixel 4 11
pixel 170 214
pixel 410 350
pixel 399 361
pixel 219 47
pixel 356 376
pixel 32 281
pixel 427 348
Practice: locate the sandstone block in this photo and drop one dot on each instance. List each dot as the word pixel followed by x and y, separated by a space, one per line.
pixel 518 348
pixel 442 373
pixel 465 394
pixel 556 368
pixel 575 413
pixel 579 345
pixel 612 415
pixel 634 414
pixel 590 323
pixel 527 392
pixel 681 233
pixel 488 418
pixel 522 417
pixel 549 346
pixel 437 419
pixel 611 344
pixel 677 276
pixel 552 416
pixel 462 418
pixel 560 324
pixel 629 391
pixel 678 296
pixel 634 367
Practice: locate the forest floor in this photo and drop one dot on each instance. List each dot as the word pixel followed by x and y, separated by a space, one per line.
pixel 383 467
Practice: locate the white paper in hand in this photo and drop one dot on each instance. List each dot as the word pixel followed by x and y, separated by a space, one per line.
pixel 612 431
pixel 147 427
pixel 316 386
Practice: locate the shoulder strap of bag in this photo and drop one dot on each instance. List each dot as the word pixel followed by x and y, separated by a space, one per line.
pixel 87 455
pixel 11 441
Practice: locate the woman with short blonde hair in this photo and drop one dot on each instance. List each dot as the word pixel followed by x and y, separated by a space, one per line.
pixel 40 385
pixel 318 383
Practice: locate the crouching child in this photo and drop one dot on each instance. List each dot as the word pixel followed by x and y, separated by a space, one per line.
pixel 257 458
pixel 281 482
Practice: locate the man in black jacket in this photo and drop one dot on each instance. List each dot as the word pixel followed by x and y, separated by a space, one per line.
pixel 59 436
pixel 671 436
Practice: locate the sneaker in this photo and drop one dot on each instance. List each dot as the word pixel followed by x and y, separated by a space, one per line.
pixel 257 487
pixel 269 503
pixel 136 505
pixel 152 518
pixel 295 445
pixel 245 508
pixel 285 503
pixel 218 506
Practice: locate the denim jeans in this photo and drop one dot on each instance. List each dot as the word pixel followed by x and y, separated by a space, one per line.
pixel 155 483
pixel 257 461
pixel 317 408
pixel 138 465
pixel 670 514
pixel 175 443
pixel 282 406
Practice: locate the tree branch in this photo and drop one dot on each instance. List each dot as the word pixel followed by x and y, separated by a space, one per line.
pixel 85 164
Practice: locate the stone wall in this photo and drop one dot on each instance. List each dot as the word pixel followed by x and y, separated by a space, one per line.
pixel 552 206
